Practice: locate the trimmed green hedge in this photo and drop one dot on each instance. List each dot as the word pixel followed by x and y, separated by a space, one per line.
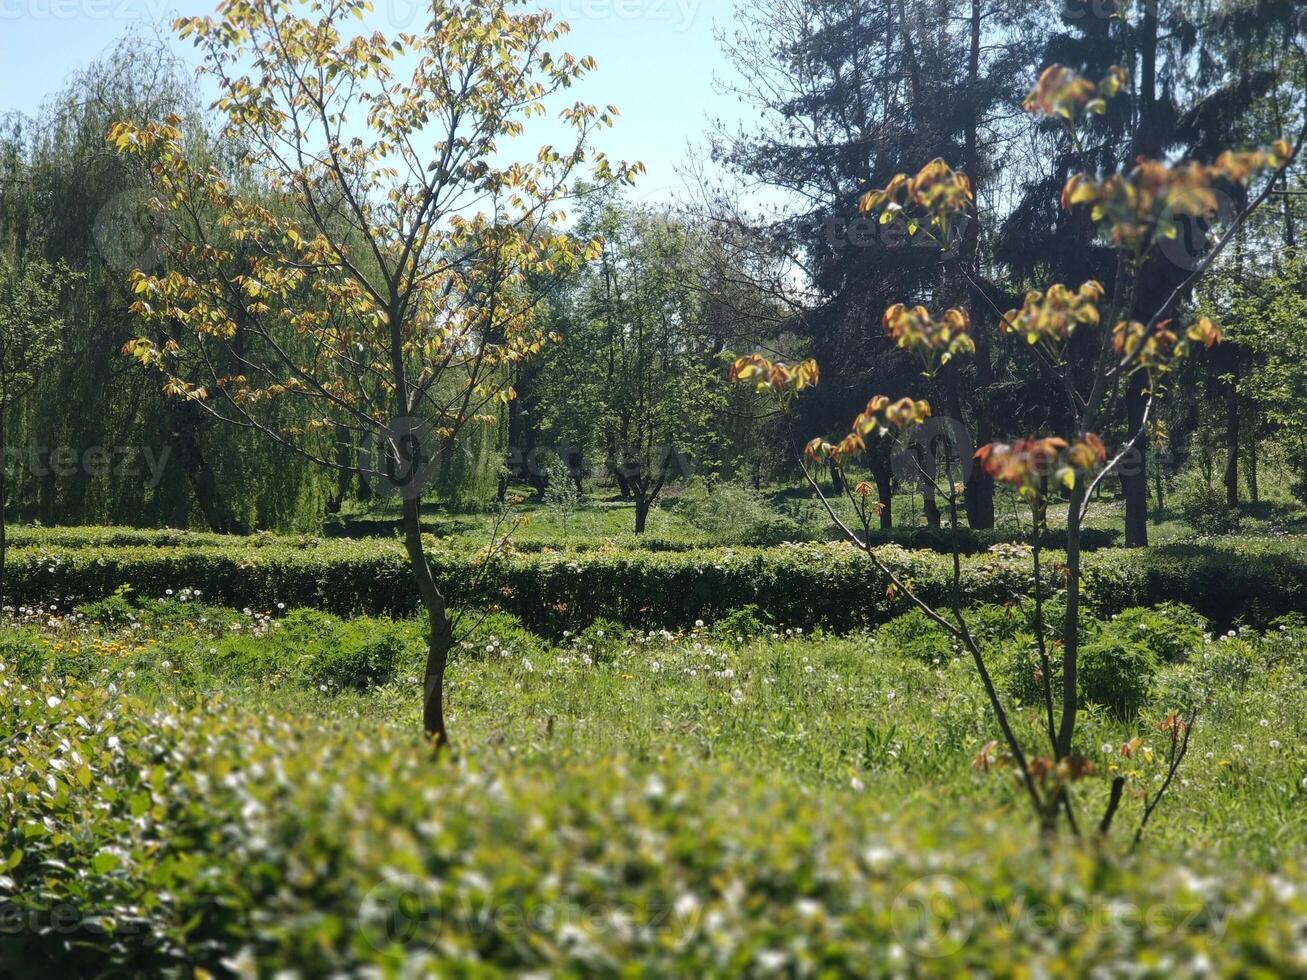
pixel 1227 580
pixel 915 538
pixel 170 840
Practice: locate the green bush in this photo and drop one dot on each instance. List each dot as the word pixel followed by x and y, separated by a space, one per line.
pixel 915 636
pixel 600 641
pixel 730 513
pixel 365 655
pixel 1231 662
pixel 494 633
pixel 114 610
pixel 1204 506
pixel 748 621
pixel 1117 674
pixel 1171 631
pixel 212 839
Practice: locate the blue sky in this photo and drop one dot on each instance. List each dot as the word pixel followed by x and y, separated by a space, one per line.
pixel 657 60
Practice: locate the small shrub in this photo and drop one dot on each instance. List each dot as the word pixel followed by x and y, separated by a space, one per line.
pixel 23 650
pixel 998 626
pixel 1231 662
pixel 1117 674
pixel 1017 666
pixel 1204 506
pixel 914 635
pixel 365 655
pixel 496 633
pixel 1182 688
pixel 729 513
pixel 1172 631
pixel 1112 672
pixel 747 622
pixel 600 641
pixel 114 610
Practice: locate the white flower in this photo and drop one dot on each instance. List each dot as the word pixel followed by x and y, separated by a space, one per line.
pixel 771 960
pixel 527 665
pixel 857 784
pixel 1275 743
pixel 1264 722
pixel 698 624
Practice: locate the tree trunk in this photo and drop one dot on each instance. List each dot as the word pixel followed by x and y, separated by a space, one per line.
pixel 1134 468
pixel 4 504
pixel 623 484
pixel 1250 457
pixel 642 505
pixel 1232 441
pixel 1159 490
pixel 1071 625
pixel 1146 141
pixel 345 475
pixel 185 429
pixel 883 474
pixel 836 478
pixel 978 491
pixel 440 636
pixel 930 506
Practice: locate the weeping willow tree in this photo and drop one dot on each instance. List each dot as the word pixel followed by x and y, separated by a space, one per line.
pixel 98 442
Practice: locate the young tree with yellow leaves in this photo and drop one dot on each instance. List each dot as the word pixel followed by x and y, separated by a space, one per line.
pixel 400 276
pixel 1135 210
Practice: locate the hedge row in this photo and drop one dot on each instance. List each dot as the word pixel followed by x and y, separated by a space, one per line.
pixel 915 538
pixel 210 840
pixel 1230 580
